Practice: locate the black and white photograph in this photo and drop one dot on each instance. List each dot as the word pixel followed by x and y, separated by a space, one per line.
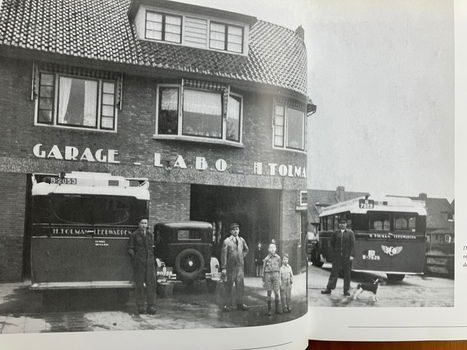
pixel 381 157
pixel 153 165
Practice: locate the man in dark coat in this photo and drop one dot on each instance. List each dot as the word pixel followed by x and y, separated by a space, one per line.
pixel 141 249
pixel 234 250
pixel 343 248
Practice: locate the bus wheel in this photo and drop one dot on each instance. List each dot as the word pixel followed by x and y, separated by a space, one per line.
pixel 395 277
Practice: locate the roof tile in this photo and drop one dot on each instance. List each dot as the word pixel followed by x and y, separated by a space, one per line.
pixel 101 30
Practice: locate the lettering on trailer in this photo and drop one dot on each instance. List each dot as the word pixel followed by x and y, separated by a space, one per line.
pixel 72 153
pixel 64 231
pixel 391 236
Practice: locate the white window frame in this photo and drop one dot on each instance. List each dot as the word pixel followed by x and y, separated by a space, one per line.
pixel 142 30
pixel 284 147
pixel 302 203
pixel 163 29
pixel 55 123
pixel 203 139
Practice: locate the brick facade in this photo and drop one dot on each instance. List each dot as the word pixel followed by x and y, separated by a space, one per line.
pixel 169 187
pixel 12 209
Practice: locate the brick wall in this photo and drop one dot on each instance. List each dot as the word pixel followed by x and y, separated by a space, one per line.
pixel 170 188
pixel 134 139
pixel 169 202
pixel 12 215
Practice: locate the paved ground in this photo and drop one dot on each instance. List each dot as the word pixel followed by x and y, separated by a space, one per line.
pixel 25 311
pixel 415 291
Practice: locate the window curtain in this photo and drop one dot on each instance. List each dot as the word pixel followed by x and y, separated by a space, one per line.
pixel 202 102
pixel 65 88
pixel 90 95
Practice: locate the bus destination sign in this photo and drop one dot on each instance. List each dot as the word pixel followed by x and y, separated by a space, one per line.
pixel 366 203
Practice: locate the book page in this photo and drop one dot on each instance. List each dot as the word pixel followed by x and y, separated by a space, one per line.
pixel 387 241
pixel 153 174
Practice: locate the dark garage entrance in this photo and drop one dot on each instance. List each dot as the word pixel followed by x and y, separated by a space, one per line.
pixel 256 210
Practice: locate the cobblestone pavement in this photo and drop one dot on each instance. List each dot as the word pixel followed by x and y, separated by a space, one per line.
pixel 26 311
pixel 414 290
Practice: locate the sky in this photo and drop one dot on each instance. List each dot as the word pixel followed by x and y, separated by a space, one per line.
pixel 382 75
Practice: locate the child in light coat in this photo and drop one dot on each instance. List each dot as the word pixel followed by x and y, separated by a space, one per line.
pixel 286 283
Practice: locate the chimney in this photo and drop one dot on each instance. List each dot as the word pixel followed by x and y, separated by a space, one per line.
pixel 422 196
pixel 300 32
pixel 340 193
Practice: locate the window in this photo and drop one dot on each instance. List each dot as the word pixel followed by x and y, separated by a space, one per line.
pixel 226 37
pixel 404 222
pixel 164 27
pixel 234 114
pixel 46 99
pixel 168 110
pixel 76 102
pixel 188 235
pixel 86 209
pixel 303 198
pixel 380 222
pixel 200 113
pixel 289 127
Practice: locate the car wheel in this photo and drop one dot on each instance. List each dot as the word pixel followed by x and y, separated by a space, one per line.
pixel 189 264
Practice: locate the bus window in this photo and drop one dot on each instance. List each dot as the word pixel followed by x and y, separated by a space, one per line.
pixel 380 222
pixel 359 222
pixel 322 223
pixel 404 222
pixel 84 209
pixel 330 221
pixel 336 222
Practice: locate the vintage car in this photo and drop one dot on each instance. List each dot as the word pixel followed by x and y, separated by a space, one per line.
pixel 185 251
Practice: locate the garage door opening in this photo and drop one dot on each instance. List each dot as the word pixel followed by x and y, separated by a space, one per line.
pixel 256 210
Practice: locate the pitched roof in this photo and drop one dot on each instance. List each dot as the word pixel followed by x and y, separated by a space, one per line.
pixel 437 212
pixel 324 198
pixel 101 30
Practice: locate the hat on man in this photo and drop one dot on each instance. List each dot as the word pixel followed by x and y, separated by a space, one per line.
pixel 233 225
pixel 343 220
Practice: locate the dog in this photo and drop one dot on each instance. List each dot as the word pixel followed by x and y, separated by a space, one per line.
pixel 369 287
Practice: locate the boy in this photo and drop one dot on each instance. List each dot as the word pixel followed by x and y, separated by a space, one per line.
pixel 286 283
pixel 271 276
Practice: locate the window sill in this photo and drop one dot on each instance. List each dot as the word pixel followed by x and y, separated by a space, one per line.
pixel 77 128
pixel 290 150
pixel 198 140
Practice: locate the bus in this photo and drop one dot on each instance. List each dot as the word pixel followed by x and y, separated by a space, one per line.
pixel 389 235
pixel 80 224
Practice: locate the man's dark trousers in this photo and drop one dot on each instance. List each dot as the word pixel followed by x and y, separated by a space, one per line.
pixel 340 263
pixel 143 275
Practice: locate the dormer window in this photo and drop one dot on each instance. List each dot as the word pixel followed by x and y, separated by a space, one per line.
pixel 190 25
pixel 164 27
pixel 226 37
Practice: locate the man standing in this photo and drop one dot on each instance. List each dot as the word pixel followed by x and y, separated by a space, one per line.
pixel 343 248
pixel 233 254
pixel 141 249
